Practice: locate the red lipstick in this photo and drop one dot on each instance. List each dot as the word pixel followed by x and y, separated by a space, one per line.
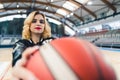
pixel 38 28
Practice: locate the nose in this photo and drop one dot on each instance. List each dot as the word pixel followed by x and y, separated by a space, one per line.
pixel 38 22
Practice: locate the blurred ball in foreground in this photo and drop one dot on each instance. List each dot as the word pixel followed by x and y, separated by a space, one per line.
pixel 70 59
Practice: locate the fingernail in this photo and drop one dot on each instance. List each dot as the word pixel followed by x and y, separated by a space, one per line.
pixel 36 47
pixel 34 79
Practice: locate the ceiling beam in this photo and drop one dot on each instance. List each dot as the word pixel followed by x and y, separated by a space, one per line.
pixel 79 18
pixel 58 20
pixel 44 3
pixel 83 7
pixel 109 5
pixel 25 13
pixel 59 7
pixel 61 16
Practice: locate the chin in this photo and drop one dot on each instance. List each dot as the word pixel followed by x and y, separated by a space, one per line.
pixel 38 32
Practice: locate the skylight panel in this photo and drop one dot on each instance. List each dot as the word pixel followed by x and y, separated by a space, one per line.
pixel 70 6
pixel 54 21
pixel 70 31
pixel 82 1
pixel 62 12
pixel 1 6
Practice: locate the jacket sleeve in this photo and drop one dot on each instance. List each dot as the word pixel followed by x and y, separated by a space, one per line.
pixel 17 51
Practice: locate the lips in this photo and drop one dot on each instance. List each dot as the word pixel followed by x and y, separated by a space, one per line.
pixel 38 28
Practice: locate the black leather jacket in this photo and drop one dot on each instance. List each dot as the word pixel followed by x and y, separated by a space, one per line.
pixel 22 44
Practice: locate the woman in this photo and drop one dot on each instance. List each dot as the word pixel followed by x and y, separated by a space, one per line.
pixel 36 31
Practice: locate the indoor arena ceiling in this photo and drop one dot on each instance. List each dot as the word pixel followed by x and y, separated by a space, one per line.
pixel 71 12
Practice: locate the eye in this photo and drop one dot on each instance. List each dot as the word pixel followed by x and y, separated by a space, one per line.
pixel 42 21
pixel 34 21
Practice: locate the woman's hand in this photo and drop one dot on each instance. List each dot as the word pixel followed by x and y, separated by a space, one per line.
pixel 19 72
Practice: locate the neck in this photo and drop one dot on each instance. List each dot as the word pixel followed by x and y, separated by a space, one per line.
pixel 35 38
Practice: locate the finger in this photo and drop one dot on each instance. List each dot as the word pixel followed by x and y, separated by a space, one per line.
pixel 20 62
pixel 14 78
pixel 25 55
pixel 22 73
pixel 29 51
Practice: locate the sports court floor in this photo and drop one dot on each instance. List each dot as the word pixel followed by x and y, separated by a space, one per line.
pixel 112 56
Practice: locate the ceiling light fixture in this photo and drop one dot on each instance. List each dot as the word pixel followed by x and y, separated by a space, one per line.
pixel 1 6
pixel 71 13
pixel 19 11
pixel 90 3
pixel 46 8
pixel 82 1
pixel 51 0
pixel 18 6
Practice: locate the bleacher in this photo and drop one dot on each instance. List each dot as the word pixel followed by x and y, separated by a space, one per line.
pixel 8 40
pixel 109 39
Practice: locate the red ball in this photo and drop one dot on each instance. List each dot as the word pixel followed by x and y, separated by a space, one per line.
pixel 70 59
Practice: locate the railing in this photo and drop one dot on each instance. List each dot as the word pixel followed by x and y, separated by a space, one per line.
pixel 8 40
pixel 110 39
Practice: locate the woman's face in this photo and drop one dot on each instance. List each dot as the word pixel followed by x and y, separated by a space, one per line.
pixel 38 24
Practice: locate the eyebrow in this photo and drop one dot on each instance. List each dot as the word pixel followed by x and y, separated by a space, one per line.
pixel 37 19
pixel 34 19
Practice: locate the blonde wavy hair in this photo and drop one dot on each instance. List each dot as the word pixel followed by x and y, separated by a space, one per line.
pixel 26 28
